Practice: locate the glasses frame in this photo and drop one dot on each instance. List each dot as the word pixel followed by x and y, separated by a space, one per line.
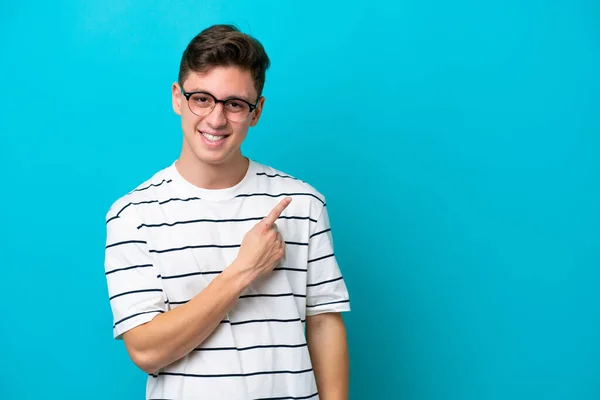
pixel 187 96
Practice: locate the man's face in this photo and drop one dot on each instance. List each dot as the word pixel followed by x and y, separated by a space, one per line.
pixel 213 138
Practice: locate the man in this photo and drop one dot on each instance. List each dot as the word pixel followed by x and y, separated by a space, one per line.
pixel 217 264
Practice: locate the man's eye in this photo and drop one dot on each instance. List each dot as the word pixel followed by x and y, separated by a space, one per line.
pixel 236 106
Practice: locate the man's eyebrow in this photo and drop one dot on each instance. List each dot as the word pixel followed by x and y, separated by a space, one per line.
pixel 233 96
pixel 245 98
pixel 238 97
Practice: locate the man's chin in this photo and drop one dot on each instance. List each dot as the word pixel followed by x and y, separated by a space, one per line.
pixel 217 158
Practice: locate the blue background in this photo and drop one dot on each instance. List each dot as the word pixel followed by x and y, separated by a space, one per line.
pixel 457 144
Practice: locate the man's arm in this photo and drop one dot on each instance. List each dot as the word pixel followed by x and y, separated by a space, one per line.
pixel 326 297
pixel 328 347
pixel 173 334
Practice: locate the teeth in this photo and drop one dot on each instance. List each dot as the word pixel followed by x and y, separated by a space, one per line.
pixel 212 137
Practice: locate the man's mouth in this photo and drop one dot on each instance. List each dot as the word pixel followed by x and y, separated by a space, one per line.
pixel 213 138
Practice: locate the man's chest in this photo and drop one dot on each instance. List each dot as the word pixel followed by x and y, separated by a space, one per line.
pixel 191 242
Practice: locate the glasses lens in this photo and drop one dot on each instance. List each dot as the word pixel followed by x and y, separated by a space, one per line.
pixel 201 104
pixel 236 110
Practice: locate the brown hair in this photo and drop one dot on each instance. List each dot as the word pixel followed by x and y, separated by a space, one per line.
pixel 221 46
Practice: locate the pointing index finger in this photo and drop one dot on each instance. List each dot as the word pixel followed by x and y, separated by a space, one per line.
pixel 276 212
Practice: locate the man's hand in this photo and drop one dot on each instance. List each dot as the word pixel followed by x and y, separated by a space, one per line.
pixel 262 247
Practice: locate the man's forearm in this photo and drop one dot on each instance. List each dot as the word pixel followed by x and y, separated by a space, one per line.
pixel 328 346
pixel 174 334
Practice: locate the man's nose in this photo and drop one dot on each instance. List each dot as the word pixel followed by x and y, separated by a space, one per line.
pixel 216 118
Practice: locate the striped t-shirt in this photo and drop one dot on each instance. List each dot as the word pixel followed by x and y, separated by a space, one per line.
pixel 167 240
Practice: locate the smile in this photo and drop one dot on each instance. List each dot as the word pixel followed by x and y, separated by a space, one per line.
pixel 213 140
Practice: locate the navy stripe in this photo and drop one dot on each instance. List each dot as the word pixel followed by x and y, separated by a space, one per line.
pixel 290 269
pixel 320 258
pixel 178 199
pixel 324 282
pixel 193 221
pixel 277 175
pixel 218 272
pixel 266 346
pixel 127 268
pixel 218 246
pixel 253 321
pixel 200 246
pixel 326 304
pixel 319 233
pixel 192 274
pixel 279 195
pixel 247 296
pixel 310 396
pixel 149 202
pixel 125 242
pixel 233 375
pixel 198 198
pixel 153 185
pixel 135 315
pixel 135 291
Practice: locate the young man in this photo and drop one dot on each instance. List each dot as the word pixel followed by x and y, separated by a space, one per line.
pixel 217 264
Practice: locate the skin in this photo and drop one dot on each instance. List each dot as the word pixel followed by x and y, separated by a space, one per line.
pixel 172 335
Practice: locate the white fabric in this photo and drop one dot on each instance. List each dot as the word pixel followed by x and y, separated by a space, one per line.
pixel 168 239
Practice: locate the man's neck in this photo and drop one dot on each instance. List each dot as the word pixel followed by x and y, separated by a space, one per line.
pixel 212 176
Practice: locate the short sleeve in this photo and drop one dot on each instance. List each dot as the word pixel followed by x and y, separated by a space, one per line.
pixel 134 287
pixel 325 288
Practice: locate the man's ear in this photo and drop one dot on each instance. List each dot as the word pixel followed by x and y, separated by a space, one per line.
pixel 257 111
pixel 176 98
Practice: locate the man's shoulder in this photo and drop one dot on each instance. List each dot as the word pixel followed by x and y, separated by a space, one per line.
pixel 282 181
pixel 148 190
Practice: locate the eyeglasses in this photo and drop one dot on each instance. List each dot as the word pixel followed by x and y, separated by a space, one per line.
pixel 202 104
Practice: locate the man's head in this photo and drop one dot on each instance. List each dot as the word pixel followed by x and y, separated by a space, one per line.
pixel 219 92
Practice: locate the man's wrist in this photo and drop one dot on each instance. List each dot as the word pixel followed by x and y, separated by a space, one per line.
pixel 239 276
